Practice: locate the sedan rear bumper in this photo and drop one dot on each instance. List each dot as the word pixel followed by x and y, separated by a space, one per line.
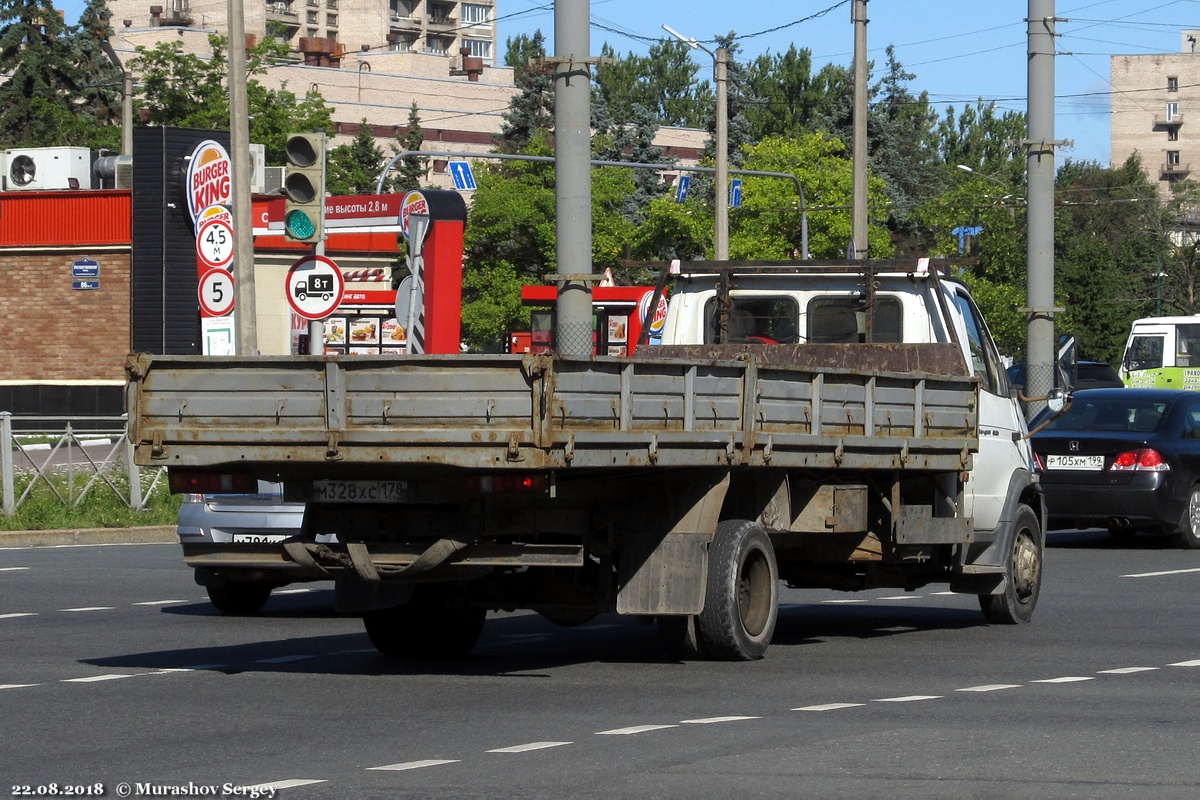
pixel 1147 501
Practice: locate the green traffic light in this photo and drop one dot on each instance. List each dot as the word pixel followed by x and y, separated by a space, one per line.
pixel 299 225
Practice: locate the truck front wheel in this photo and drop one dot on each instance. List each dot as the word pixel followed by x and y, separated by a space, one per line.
pixel 741 602
pixel 425 626
pixel 1022 575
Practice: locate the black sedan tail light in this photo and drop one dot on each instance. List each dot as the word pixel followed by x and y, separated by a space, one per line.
pixel 1146 459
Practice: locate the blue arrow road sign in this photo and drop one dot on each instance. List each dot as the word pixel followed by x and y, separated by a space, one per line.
pixel 461 172
pixel 735 193
pixel 681 188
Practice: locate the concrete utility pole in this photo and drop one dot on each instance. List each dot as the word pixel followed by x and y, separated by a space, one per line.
pixel 573 186
pixel 1040 354
pixel 859 199
pixel 246 313
pixel 721 194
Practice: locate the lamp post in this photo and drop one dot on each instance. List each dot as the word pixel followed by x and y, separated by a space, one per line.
pixel 721 202
pixel 1158 276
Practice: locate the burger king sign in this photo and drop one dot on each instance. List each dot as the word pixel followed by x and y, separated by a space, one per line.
pixel 209 179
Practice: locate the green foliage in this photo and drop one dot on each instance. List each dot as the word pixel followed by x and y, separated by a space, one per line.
pixel 787 98
pixel 354 168
pixel 412 170
pixel 531 111
pixel 663 83
pixel 768 226
pixel 60 89
pixel 184 90
pixel 66 507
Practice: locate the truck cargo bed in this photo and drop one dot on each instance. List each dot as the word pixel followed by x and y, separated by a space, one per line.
pixel 325 416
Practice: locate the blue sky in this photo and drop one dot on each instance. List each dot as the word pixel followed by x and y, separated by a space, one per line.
pixel 959 51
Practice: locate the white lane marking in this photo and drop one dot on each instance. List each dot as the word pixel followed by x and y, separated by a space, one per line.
pixel 1126 670
pixel 1065 679
pixel 17 685
pixel 1160 574
pixel 429 762
pixel 293 591
pixel 989 687
pixel 89 608
pixel 829 707
pixel 910 698
pixel 897 629
pixel 845 602
pixel 634 729
pixel 16 614
pixel 95 678
pixel 12 569
pixel 159 602
pixel 711 720
pixel 1192 663
pixel 944 594
pixel 283 784
pixel 901 597
pixel 525 748
pixel 282 659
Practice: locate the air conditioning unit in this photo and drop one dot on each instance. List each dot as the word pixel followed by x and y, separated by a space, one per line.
pixel 123 179
pixel 273 179
pixel 258 162
pixel 39 168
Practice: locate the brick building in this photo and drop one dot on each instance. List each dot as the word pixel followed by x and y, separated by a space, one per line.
pixel 1156 111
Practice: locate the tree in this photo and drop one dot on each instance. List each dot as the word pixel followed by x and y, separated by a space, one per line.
pixel 663 83
pixel 532 109
pixel 768 226
pixel 788 98
pixel 412 169
pixel 632 142
pixel 185 90
pixel 43 101
pixel 354 168
pixel 101 81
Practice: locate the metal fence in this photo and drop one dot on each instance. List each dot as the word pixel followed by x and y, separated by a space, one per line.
pixel 70 463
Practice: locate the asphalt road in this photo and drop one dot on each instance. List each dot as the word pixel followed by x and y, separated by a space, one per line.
pixel 114 668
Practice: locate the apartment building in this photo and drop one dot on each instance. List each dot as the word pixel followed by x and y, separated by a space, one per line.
pixel 1156 111
pixel 318 30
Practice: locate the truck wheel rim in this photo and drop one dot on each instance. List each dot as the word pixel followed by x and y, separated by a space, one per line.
pixel 1026 566
pixel 754 592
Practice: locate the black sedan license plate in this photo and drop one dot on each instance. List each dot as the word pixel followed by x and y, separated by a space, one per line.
pixel 1088 463
pixel 359 491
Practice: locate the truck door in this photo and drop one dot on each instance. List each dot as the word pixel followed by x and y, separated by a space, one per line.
pixel 1002 450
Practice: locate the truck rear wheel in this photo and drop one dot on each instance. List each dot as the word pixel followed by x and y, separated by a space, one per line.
pixel 240 598
pixel 741 602
pixel 1022 575
pixel 425 626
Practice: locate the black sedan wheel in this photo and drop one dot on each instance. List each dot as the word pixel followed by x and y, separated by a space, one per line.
pixel 1188 534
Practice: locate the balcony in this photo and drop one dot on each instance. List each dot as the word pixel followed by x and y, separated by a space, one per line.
pixel 442 22
pixel 399 23
pixel 1165 123
pixel 1175 171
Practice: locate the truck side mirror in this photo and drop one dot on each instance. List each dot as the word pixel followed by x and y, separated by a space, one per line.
pixel 1056 400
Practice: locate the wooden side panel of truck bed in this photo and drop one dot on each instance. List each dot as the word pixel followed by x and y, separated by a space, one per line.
pixel 335 416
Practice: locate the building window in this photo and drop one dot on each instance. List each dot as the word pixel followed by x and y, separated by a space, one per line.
pixel 440 166
pixel 1172 84
pixel 1172 111
pixel 479 47
pixel 1173 134
pixel 436 44
pixel 311 18
pixel 1172 158
pixel 475 14
pixel 331 20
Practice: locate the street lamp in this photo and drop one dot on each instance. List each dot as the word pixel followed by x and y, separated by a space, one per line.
pixel 721 204
pixel 1158 276
pixel 995 180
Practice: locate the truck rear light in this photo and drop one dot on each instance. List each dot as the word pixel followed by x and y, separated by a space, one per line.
pixel 507 484
pixel 1146 459
pixel 212 483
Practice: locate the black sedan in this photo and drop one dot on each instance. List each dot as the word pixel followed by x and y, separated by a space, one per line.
pixel 1124 459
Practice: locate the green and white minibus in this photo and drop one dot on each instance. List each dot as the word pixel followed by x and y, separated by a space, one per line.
pixel 1163 352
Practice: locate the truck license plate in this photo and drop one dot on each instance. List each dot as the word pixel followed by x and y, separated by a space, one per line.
pixel 1089 463
pixel 359 491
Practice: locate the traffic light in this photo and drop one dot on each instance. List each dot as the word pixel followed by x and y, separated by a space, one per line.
pixel 304 187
